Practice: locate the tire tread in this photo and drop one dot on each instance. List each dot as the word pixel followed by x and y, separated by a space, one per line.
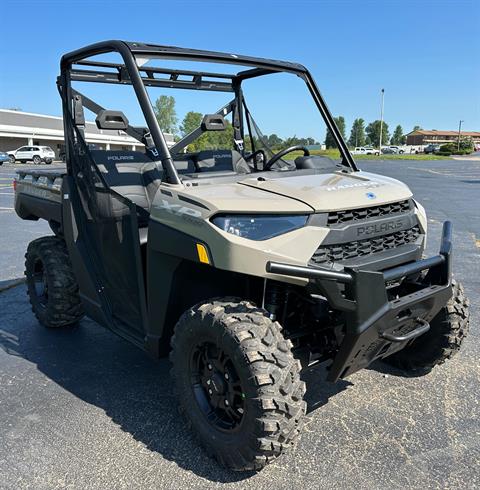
pixel 64 307
pixel 274 371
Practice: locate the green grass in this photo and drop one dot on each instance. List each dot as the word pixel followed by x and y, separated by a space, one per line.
pixel 335 154
pixel 413 156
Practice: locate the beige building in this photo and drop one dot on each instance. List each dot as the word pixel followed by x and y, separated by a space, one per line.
pixel 24 128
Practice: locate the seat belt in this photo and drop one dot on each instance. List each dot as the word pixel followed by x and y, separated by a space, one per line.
pixel 237 121
pixel 78 114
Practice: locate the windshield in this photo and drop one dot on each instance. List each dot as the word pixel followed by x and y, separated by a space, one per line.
pixel 281 114
pixel 266 115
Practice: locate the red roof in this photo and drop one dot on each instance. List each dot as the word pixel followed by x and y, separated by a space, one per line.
pixel 435 132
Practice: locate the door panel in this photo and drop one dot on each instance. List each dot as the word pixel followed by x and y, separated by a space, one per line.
pixel 107 242
pixel 22 154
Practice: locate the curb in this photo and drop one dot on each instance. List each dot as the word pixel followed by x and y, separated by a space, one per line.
pixel 11 284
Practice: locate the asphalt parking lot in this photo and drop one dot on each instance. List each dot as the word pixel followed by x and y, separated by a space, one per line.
pixel 82 408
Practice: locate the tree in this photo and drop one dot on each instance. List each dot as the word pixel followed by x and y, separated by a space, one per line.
pixel 274 141
pixel 190 122
pixel 165 113
pixel 398 138
pixel 357 135
pixel 209 140
pixel 416 128
pixel 373 132
pixel 329 139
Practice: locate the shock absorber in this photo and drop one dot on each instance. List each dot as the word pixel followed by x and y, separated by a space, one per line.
pixel 275 299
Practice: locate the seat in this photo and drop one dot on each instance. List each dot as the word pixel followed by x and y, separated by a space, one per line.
pixel 130 173
pixel 220 161
pixel 184 163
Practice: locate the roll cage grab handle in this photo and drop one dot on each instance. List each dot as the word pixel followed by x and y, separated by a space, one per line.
pixel 161 151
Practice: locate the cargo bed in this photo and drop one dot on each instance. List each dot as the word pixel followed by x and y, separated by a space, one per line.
pixel 38 194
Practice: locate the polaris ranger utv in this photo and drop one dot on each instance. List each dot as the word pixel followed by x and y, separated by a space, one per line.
pixel 245 266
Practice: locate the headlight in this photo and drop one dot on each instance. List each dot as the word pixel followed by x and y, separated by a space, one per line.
pixel 259 226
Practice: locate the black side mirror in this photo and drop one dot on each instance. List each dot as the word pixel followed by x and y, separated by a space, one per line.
pixel 213 122
pixel 111 120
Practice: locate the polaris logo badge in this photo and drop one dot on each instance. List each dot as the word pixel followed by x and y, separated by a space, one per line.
pixel 371 195
pixel 378 228
pixel 120 158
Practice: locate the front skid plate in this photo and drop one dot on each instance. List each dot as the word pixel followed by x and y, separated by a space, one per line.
pixel 365 344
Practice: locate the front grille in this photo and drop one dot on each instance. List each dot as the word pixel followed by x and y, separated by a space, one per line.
pixel 359 248
pixel 344 216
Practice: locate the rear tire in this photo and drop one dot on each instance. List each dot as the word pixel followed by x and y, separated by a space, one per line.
pixel 260 380
pixel 51 284
pixel 444 339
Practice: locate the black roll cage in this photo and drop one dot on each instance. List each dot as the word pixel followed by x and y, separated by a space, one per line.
pixel 139 77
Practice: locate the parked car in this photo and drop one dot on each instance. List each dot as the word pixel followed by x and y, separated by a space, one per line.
pixel 397 149
pixel 387 150
pixel 365 150
pixel 4 157
pixel 431 149
pixel 35 154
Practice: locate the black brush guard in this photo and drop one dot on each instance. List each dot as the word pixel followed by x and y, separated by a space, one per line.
pixel 376 326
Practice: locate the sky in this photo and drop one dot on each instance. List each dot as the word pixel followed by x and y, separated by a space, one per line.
pixel 425 54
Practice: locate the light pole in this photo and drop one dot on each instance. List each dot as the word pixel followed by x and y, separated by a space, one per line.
pixel 459 130
pixel 381 120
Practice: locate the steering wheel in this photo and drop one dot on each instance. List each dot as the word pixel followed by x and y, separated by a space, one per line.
pixel 282 153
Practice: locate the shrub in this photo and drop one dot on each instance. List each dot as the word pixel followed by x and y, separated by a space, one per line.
pixel 466 144
pixel 449 148
pixel 465 147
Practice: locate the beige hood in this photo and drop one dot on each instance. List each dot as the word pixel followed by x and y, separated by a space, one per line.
pixel 337 191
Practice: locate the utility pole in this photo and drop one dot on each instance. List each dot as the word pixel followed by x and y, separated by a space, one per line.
pixel 381 121
pixel 459 130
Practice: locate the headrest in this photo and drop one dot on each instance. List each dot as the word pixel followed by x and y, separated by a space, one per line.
pixel 115 157
pixel 216 160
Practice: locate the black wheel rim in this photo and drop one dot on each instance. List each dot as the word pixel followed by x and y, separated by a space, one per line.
pixel 216 387
pixel 40 283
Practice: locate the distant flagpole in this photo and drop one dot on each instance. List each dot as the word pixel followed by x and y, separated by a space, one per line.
pixel 381 120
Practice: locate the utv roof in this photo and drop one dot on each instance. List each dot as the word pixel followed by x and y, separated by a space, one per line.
pixel 188 53
pixel 168 52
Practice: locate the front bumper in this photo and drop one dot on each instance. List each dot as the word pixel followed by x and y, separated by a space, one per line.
pixel 377 326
